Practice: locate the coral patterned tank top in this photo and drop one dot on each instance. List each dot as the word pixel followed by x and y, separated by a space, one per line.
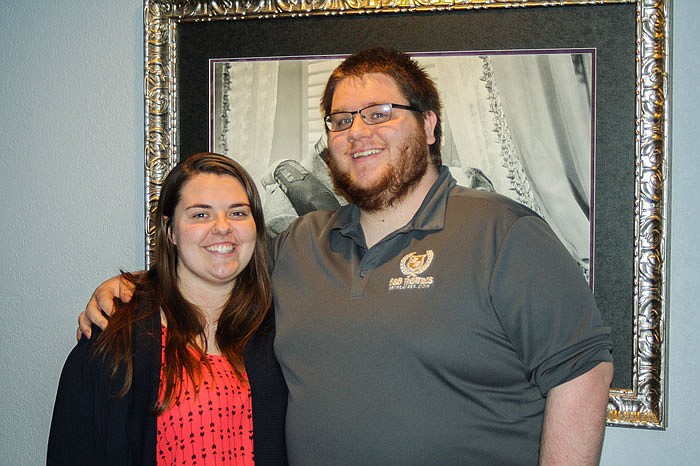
pixel 216 428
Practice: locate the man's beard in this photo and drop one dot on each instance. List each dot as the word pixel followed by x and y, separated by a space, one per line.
pixel 399 179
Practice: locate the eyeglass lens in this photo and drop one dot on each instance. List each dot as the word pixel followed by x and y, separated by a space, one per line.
pixel 371 115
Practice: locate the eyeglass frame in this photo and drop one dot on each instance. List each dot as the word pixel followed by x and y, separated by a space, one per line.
pixel 327 120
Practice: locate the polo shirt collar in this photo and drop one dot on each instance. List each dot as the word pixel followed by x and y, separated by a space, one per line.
pixel 430 216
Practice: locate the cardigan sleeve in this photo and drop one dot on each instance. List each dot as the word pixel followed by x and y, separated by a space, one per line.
pixel 90 424
pixel 269 396
pixel 74 434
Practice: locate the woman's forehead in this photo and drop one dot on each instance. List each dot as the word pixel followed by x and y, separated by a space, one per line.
pixel 215 186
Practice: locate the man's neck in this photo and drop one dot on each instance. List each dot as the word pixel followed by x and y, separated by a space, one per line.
pixel 376 225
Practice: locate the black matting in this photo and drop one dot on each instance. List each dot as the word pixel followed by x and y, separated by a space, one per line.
pixel 610 29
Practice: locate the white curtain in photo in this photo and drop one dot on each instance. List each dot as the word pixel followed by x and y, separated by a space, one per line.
pixel 525 121
pixel 468 120
pixel 252 102
pixel 546 103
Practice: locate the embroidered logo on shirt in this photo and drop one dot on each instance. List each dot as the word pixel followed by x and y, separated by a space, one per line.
pixel 412 265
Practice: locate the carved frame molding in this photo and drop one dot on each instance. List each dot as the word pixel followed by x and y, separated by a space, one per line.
pixel 644 405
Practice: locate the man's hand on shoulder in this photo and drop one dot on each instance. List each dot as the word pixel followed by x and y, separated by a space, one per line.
pixel 101 304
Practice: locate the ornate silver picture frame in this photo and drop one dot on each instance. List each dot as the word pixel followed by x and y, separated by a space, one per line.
pixel 631 134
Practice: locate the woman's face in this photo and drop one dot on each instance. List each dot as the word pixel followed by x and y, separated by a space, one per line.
pixel 214 231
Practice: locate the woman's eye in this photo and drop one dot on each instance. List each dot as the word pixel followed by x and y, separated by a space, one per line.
pixel 200 215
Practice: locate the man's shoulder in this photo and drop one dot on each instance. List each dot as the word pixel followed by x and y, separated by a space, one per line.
pixel 316 221
pixel 309 227
pixel 487 204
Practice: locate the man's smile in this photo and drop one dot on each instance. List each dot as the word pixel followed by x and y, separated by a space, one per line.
pixel 365 153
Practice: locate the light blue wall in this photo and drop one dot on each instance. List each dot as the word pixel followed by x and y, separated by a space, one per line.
pixel 71 199
pixel 679 444
pixel 71 131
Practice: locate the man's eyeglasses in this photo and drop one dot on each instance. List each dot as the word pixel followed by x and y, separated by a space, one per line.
pixel 371 115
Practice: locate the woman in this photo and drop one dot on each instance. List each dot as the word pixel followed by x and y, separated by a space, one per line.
pixel 185 373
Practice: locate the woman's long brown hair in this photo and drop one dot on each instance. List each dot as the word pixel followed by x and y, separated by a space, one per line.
pixel 157 290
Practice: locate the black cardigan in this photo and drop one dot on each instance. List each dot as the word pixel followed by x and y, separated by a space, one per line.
pixel 92 427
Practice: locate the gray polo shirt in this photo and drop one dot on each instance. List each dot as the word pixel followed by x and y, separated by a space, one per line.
pixel 438 345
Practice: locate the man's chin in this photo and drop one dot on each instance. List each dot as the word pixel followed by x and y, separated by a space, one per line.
pixel 354 190
pixel 370 199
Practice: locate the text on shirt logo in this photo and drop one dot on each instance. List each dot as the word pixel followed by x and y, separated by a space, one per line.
pixel 412 265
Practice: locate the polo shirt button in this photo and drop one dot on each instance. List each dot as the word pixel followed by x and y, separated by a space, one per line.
pixel 363 273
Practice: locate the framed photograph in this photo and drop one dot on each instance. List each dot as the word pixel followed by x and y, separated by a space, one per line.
pixel 581 87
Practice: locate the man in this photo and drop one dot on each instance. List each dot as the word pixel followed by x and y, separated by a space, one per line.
pixel 426 323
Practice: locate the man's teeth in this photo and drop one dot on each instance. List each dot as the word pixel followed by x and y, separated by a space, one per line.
pixel 220 248
pixel 365 153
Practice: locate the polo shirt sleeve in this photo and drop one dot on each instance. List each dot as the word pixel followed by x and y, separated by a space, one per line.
pixel 275 243
pixel 546 307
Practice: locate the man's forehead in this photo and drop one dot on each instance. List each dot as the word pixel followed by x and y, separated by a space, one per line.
pixel 368 88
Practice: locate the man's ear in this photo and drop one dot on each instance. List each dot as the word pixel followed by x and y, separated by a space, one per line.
pixel 429 122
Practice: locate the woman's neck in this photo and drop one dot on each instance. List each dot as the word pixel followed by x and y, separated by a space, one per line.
pixel 210 302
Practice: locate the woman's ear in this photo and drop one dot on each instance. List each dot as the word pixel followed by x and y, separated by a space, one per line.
pixel 169 230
